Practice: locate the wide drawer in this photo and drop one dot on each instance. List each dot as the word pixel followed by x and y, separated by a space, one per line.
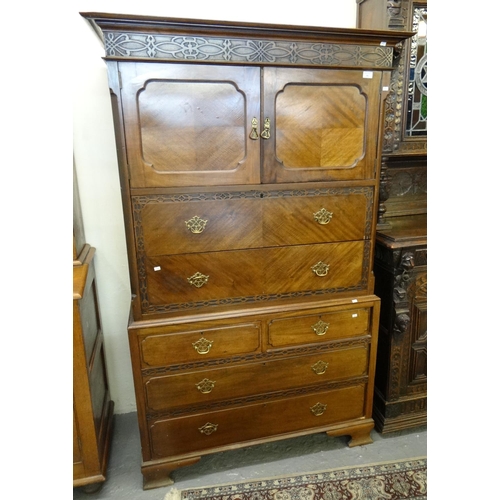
pixel 203 431
pixel 240 381
pixel 164 349
pixel 319 327
pixel 191 223
pixel 247 273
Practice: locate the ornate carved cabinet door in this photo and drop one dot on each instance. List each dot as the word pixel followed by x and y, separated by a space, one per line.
pixel 188 125
pixel 317 124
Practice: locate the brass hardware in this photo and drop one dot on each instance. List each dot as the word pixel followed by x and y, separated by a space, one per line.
pixel 205 386
pixel 203 345
pixel 196 224
pixel 208 428
pixel 319 367
pixel 323 216
pixel 318 409
pixel 266 133
pixel 198 280
pixel 320 327
pixel 254 134
pixel 320 269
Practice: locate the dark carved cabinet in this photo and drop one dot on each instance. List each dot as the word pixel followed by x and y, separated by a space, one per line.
pixel 401 244
pixel 249 161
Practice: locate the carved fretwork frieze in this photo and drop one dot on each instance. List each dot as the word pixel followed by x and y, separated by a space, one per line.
pixel 184 47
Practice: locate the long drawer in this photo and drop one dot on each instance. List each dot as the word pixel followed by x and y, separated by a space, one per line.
pixel 230 221
pixel 243 273
pixel 195 433
pixel 230 382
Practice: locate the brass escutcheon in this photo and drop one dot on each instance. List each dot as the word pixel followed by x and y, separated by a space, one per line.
pixel 208 428
pixel 203 345
pixel 320 327
pixel 198 280
pixel 319 367
pixel 196 224
pixel 320 269
pixel 205 386
pixel 318 409
pixel 323 216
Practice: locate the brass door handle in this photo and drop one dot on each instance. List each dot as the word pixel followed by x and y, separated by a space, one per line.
pixel 205 386
pixel 318 409
pixel 196 224
pixel 198 280
pixel 203 345
pixel 320 269
pixel 208 428
pixel 319 367
pixel 254 134
pixel 266 133
pixel 320 328
pixel 323 216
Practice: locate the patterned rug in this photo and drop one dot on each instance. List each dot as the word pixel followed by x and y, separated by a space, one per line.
pixel 406 479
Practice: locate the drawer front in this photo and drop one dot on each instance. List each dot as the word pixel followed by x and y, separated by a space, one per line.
pixel 199 345
pixel 310 218
pixel 199 226
pixel 206 222
pixel 248 273
pixel 227 427
pixel 319 327
pixel 202 387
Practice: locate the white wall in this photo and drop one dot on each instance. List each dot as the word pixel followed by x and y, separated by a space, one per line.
pixel 95 156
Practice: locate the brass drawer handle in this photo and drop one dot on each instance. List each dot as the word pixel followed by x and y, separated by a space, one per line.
pixel 203 345
pixel 320 327
pixel 198 280
pixel 205 386
pixel 196 224
pixel 208 428
pixel 266 133
pixel 323 216
pixel 254 134
pixel 319 367
pixel 318 409
pixel 320 269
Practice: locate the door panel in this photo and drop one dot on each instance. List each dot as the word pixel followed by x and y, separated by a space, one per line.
pixel 318 121
pixel 188 125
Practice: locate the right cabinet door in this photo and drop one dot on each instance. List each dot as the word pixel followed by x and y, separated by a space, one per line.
pixel 323 124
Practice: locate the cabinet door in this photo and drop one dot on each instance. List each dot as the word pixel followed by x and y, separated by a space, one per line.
pixel 190 125
pixel 323 124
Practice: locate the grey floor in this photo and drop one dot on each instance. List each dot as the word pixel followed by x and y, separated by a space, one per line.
pixel 304 454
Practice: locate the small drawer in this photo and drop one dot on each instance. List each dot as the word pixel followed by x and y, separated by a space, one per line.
pixel 164 349
pixel 204 431
pixel 240 381
pixel 319 327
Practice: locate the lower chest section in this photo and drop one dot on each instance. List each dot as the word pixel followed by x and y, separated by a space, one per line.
pixel 209 384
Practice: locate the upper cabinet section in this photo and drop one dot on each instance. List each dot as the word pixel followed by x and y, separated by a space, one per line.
pixel 262 104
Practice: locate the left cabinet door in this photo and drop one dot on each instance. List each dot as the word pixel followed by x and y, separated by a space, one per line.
pixel 189 125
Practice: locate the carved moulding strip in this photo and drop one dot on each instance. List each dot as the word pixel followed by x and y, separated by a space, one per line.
pixel 153 415
pixel 139 202
pixel 262 356
pixel 180 47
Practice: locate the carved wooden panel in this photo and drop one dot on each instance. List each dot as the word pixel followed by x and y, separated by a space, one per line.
pixel 318 122
pixel 188 125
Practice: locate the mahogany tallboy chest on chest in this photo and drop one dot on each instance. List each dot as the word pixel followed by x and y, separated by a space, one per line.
pixel 249 161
